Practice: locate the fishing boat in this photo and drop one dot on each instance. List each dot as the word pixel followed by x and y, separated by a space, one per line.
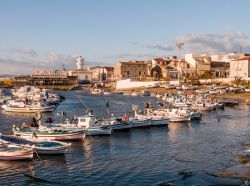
pixel 135 94
pixel 14 152
pixel 159 121
pixel 140 122
pixel 40 146
pixel 106 93
pixel 49 133
pixel 21 107
pixel 96 91
pixel 179 118
pixel 92 126
pixel 117 124
pixel 145 93
pixel 178 115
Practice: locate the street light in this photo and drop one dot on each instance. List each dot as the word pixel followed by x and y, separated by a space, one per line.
pixel 179 46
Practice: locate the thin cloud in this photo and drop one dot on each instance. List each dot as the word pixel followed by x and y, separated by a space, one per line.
pixel 131 55
pixel 165 47
pixel 214 43
pixel 23 50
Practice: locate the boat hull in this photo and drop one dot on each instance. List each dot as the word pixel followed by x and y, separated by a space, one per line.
pixel 180 119
pixel 159 122
pixel 19 155
pixel 99 132
pixel 52 136
pixel 140 123
pixel 28 109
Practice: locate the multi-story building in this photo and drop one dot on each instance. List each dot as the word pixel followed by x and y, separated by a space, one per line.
pixel 170 68
pixel 198 64
pixel 132 70
pixel 102 73
pixel 240 67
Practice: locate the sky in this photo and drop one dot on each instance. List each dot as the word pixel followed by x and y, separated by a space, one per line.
pixel 46 34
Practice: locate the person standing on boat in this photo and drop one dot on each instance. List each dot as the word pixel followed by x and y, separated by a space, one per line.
pixel 46 95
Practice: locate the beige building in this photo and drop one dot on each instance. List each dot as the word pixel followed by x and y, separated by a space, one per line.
pixel 169 68
pixel 240 67
pixel 132 70
pixel 198 64
pixel 102 73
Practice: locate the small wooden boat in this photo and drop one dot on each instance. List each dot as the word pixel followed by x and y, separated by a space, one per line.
pixel 14 152
pixel 24 108
pixel 41 146
pixel 53 133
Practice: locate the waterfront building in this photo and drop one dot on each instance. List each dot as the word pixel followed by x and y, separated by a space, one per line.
pixel 102 73
pixel 240 67
pixel 82 74
pixel 133 70
pixel 220 69
pixel 198 64
pixel 169 68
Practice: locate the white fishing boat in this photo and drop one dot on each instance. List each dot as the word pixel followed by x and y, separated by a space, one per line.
pixel 117 124
pixel 49 133
pixel 179 118
pixel 178 115
pixel 140 122
pixel 40 146
pixel 107 93
pixel 159 121
pixel 96 91
pixel 92 126
pixel 21 107
pixel 135 94
pixel 14 152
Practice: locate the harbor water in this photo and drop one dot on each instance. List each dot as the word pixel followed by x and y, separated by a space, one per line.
pixel 145 156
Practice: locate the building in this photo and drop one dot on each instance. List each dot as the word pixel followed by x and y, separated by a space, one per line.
pixel 240 67
pixel 220 69
pixel 133 70
pixel 169 68
pixel 102 73
pixel 80 72
pixel 53 79
pixel 198 64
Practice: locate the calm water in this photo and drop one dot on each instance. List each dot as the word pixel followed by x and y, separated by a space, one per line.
pixel 151 156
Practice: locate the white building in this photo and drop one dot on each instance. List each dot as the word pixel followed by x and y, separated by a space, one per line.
pixel 81 72
pixel 225 57
pixel 198 64
pixel 240 67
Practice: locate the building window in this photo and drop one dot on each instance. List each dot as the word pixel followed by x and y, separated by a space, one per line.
pixel 139 73
pixel 86 77
pixel 128 73
pixel 188 65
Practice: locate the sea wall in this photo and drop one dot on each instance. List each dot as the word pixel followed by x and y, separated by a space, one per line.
pixel 127 84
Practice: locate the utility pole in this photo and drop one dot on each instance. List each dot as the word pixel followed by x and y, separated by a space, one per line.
pixel 179 46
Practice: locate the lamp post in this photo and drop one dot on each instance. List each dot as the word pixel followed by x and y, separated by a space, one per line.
pixel 179 46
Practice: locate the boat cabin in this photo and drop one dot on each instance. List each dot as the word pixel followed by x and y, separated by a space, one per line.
pixel 86 121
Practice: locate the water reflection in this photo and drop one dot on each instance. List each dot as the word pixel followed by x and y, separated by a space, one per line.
pixel 140 156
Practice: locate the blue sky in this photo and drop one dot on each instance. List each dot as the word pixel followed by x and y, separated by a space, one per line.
pixel 48 33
